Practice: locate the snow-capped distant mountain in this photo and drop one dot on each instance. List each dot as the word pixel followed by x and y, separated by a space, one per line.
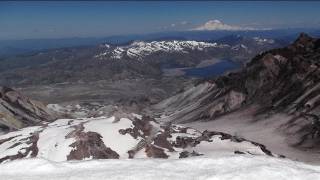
pixel 217 25
pixel 233 40
pixel 140 49
pixel 239 47
pixel 261 41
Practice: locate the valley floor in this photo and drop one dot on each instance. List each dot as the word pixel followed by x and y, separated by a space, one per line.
pixel 106 91
pixel 227 167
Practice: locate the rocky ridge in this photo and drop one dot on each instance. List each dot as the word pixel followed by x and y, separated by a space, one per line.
pixel 18 111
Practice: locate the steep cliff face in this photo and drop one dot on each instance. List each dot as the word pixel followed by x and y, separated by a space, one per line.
pixel 17 111
pixel 284 80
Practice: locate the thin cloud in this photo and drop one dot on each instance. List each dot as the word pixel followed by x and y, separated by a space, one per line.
pixel 181 25
pixel 184 22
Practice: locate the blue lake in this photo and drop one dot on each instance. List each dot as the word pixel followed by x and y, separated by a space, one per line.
pixel 212 70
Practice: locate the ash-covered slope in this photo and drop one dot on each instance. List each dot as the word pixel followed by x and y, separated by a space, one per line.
pixel 17 111
pixel 284 80
pixel 128 136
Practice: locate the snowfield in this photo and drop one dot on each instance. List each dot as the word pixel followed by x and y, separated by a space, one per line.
pixel 119 138
pixel 232 167
pixel 110 136
pixel 138 147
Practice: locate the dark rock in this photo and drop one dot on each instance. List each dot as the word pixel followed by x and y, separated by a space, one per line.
pixel 31 151
pixel 155 152
pixel 185 154
pixel 183 142
pixel 89 145
pixel 161 141
pixel 239 152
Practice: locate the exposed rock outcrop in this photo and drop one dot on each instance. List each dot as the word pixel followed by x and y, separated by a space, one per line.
pixel 17 111
pixel 88 145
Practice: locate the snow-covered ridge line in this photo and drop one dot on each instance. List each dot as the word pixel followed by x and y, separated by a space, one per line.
pixel 130 136
pixel 263 40
pixel 139 49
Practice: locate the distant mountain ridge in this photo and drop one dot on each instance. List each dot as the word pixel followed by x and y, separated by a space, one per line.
pixel 140 49
pixel 110 62
pixel 15 47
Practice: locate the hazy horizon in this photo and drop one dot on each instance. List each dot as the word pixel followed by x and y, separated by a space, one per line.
pixel 54 20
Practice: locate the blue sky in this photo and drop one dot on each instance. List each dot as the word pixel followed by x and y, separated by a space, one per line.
pixel 23 20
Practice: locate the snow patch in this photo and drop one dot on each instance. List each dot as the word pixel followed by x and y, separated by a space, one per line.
pixel 109 130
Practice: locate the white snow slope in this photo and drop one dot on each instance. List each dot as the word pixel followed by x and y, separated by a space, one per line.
pixel 232 167
pixel 70 139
